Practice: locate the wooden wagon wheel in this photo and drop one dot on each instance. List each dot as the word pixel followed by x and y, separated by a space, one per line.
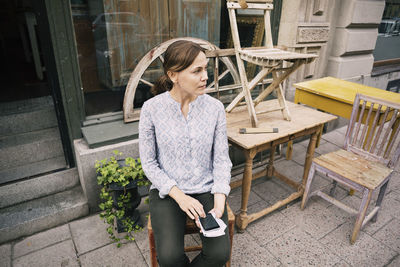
pixel 137 76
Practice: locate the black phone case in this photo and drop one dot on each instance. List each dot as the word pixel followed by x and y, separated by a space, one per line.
pixel 209 222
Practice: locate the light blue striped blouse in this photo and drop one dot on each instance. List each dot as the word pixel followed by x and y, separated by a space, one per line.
pixel 191 153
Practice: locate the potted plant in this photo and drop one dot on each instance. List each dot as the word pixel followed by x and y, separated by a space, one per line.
pixel 120 180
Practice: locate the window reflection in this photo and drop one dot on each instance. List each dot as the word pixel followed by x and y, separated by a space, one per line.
pixel 113 36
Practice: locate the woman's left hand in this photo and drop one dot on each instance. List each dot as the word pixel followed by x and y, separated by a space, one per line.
pixel 218 213
pixel 219 205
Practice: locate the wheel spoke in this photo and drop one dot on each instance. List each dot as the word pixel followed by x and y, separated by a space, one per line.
pixel 146 82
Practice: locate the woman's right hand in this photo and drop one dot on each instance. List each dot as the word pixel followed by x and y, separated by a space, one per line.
pixel 191 206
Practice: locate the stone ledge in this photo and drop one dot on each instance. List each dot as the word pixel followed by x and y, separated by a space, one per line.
pixel 86 158
pixel 113 132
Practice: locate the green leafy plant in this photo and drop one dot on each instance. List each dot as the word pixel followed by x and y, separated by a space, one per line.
pixel 112 173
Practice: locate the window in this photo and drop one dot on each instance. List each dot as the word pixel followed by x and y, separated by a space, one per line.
pixel 388 41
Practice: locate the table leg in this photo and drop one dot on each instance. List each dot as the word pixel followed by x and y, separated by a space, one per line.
pixel 289 150
pixel 309 156
pixel 242 219
pixel 319 136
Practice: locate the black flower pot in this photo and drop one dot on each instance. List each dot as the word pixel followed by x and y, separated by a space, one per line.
pixel 130 211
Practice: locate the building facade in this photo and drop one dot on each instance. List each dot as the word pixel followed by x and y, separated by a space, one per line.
pixel 70 62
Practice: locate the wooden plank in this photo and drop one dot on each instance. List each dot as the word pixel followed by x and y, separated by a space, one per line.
pixel 277 205
pixel 286 180
pixel 335 202
pixel 302 118
pixel 355 168
pixel 220 52
pixel 231 5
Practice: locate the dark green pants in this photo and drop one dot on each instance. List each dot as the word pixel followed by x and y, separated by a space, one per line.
pixel 168 222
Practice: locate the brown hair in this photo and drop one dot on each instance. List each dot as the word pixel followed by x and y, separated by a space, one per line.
pixel 178 56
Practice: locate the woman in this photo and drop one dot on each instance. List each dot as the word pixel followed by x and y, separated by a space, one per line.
pixel 184 153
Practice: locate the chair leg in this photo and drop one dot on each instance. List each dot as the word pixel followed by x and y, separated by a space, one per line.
pixel 379 200
pixel 153 253
pixel 333 189
pixel 361 214
pixel 308 185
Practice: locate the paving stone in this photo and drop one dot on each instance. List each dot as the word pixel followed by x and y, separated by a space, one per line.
pixel 394 183
pixel 396 195
pixel 367 251
pixel 247 252
pixel 5 255
pixel 342 130
pixel 127 255
pixel 298 154
pixel 315 219
pixel 335 137
pixel 89 233
pixel 235 198
pixel 41 240
pixel 256 207
pixel 296 248
pixel 290 169
pixel 327 148
pixel 388 209
pixel 305 142
pixel 395 262
pixel 142 241
pixel 142 238
pixel 270 191
pixel 342 263
pixel 390 234
pixel 269 227
pixel 61 254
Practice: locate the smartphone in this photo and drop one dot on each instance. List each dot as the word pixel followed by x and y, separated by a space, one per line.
pixel 209 222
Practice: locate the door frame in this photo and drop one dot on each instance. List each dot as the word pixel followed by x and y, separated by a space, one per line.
pixel 56 35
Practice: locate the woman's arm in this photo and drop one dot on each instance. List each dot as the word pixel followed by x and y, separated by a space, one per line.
pixel 221 165
pixel 192 207
pixel 148 154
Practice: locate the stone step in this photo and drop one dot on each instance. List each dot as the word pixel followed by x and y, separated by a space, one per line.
pixel 31 169
pixel 40 214
pixel 27 115
pixel 26 148
pixel 38 187
pixel 27 122
pixel 26 105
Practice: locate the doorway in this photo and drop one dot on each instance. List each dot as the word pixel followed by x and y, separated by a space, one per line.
pixel 30 142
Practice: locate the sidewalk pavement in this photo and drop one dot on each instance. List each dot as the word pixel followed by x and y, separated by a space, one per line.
pixel 318 236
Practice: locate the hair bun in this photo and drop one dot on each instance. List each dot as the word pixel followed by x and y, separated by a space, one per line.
pixel 162 84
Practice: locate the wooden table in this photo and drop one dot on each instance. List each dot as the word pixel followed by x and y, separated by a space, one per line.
pixel 305 121
pixel 335 96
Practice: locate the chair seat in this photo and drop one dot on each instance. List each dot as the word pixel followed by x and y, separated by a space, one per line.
pixel 273 56
pixel 354 167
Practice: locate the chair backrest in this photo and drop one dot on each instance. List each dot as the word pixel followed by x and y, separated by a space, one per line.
pixel 265 5
pixel 373 129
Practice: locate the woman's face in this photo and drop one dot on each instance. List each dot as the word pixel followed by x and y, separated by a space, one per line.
pixel 193 79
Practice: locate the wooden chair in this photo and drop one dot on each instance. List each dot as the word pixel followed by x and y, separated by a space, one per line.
pixel 272 60
pixel 367 160
pixel 191 228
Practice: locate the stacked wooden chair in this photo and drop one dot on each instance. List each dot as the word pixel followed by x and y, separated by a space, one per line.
pixel 371 151
pixel 279 63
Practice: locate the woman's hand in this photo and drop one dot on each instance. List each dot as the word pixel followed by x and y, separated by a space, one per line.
pixel 191 206
pixel 219 204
